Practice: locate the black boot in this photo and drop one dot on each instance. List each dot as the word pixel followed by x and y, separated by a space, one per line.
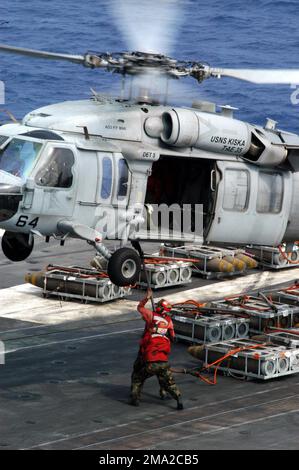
pixel 180 405
pixel 134 401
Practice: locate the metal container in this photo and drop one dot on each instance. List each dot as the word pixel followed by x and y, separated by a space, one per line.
pixel 263 362
pixel 77 283
pixel 242 328
pixel 166 274
pixel 204 328
pixel 212 262
pixel 195 330
pixel 262 312
pixel 272 257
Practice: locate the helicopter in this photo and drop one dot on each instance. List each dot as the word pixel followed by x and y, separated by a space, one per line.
pixel 72 169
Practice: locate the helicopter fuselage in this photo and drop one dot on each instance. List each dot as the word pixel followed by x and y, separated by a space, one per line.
pixel 88 169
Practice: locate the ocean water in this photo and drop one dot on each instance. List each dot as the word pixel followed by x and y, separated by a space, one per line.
pixel 259 33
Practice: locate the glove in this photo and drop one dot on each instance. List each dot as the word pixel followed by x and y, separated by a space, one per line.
pixel 149 293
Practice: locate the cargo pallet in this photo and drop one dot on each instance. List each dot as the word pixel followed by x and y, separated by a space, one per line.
pixel 164 273
pixel 263 363
pixel 203 329
pixel 205 255
pixel 262 312
pixel 271 258
pixel 84 281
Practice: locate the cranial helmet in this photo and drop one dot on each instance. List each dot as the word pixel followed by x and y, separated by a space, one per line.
pixel 163 306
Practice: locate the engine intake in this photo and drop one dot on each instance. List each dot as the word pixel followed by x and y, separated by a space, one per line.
pixel 180 128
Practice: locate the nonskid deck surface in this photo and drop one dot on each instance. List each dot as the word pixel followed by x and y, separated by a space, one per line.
pixel 68 389
pixel 65 384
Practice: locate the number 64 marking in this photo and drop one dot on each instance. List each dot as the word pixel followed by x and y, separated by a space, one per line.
pixel 23 221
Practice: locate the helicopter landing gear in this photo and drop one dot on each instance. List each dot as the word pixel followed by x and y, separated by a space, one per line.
pixel 124 267
pixel 17 246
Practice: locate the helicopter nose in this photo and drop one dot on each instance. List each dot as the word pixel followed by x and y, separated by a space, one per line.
pixel 10 197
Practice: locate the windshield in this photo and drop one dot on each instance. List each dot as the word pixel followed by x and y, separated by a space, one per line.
pixel 19 156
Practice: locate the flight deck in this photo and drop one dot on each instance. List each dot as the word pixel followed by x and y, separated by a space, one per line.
pixel 66 381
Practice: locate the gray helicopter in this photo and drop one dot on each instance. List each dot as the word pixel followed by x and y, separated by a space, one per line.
pixel 94 169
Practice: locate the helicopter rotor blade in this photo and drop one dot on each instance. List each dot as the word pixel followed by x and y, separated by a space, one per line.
pixel 77 59
pixel 140 63
pixel 259 76
pixel 88 60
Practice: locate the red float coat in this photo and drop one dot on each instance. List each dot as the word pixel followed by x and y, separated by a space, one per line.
pixel 155 343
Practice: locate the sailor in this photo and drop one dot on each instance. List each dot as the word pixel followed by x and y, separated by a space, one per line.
pixel 154 351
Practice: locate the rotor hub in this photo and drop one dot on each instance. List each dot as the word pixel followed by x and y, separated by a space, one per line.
pixel 138 63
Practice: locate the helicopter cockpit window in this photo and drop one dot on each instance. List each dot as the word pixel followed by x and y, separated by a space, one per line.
pixel 236 190
pixel 123 178
pixel 106 178
pixel 57 171
pixel 19 156
pixel 270 193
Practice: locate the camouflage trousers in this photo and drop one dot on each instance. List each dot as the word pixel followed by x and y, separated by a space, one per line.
pixel 144 370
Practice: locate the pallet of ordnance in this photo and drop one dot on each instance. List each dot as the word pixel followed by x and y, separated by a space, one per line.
pixel 164 272
pixel 270 257
pixel 88 285
pixel 212 262
pixel 207 328
pixel 249 358
pixel 160 272
pixel 262 310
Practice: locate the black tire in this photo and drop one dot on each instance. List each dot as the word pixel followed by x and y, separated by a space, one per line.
pixel 124 267
pixel 16 246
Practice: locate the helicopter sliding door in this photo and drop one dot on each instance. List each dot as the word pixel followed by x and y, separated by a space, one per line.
pixel 252 204
pixel 183 182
